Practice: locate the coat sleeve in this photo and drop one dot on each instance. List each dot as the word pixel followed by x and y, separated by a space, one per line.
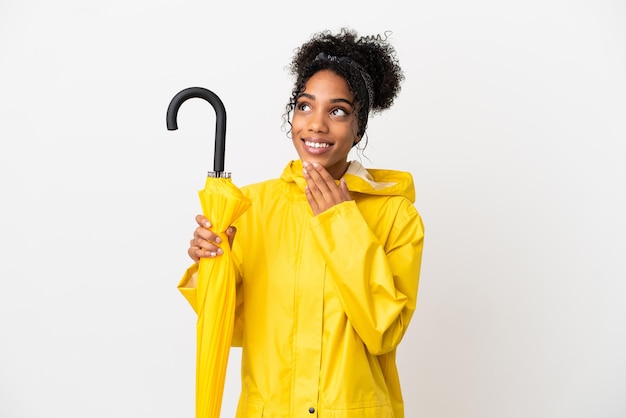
pixel 190 294
pixel 376 278
pixel 188 291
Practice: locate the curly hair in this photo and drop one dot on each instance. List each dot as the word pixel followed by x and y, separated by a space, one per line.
pixel 372 54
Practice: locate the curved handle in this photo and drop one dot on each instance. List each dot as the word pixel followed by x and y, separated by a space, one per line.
pixel 220 125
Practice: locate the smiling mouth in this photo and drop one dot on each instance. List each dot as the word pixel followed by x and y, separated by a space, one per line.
pixel 317 144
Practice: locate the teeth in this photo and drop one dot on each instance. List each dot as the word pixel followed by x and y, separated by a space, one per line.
pixel 316 144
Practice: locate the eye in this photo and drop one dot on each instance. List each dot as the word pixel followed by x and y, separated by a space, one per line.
pixel 303 106
pixel 338 111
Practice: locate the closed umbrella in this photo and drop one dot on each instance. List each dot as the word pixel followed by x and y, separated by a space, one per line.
pixel 213 298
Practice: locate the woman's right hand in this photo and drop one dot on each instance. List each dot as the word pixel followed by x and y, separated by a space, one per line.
pixel 206 243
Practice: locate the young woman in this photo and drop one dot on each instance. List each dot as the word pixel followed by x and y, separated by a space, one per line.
pixel 328 256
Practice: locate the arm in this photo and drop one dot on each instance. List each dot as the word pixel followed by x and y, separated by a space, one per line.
pixel 376 284
pixel 205 243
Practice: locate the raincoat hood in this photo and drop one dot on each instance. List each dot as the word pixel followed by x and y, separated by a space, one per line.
pixel 361 180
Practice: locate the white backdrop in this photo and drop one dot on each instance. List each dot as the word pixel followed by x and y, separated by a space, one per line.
pixel 511 120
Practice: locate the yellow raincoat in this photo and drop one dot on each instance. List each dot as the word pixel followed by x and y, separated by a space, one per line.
pixel 323 301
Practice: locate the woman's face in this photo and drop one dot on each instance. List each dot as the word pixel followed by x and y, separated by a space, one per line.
pixel 324 123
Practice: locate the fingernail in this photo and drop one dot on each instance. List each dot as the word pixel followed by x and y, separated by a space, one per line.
pixel 305 164
pixel 213 254
pixel 230 230
pixel 316 165
pixel 304 171
pixel 220 251
pixel 218 240
pixel 207 224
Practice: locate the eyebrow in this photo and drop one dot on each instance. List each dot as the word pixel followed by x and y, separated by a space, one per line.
pixel 338 100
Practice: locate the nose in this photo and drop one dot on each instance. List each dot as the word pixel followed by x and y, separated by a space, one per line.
pixel 318 122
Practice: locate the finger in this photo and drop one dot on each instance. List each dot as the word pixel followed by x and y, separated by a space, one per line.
pixel 207 234
pixel 315 183
pixel 331 191
pixel 322 179
pixel 202 221
pixel 324 174
pixel 203 245
pixel 196 253
pixel 231 231
pixel 312 202
pixel 192 253
pixel 199 248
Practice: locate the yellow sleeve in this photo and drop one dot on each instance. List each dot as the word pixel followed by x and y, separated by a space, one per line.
pixel 375 282
pixel 190 294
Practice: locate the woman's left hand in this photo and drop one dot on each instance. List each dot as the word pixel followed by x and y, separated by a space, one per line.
pixel 321 191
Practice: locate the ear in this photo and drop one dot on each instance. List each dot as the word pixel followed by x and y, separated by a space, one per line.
pixel 357 139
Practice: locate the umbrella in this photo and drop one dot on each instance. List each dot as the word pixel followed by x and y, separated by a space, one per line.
pixel 214 297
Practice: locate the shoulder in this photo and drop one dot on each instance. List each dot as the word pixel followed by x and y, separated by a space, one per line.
pixel 262 187
pixel 266 195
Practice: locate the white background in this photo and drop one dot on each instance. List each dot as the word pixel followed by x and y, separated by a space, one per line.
pixel 511 119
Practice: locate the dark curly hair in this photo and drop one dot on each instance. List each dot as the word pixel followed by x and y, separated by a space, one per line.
pixel 372 53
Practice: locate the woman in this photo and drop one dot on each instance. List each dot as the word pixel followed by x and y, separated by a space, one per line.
pixel 328 256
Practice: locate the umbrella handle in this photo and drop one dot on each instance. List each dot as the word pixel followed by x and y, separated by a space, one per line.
pixel 220 125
